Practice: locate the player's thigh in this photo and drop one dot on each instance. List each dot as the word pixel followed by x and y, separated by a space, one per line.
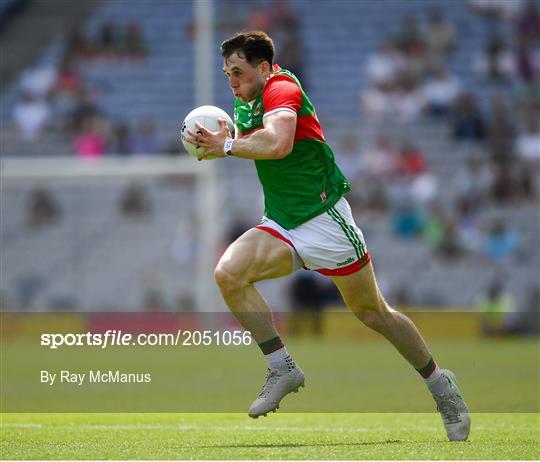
pixel 360 291
pixel 255 256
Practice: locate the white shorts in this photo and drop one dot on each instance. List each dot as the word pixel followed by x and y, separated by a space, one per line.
pixel 329 243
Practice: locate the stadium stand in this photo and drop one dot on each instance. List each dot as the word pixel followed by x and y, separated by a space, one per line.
pixel 160 88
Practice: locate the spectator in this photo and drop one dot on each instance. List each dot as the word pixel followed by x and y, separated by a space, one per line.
pixel 403 296
pixel 496 306
pixel 424 188
pixel 412 160
pixel 291 55
pixel 135 203
pixel 145 140
pixel 450 246
pixel 440 38
pixel 133 44
pixel 68 79
pixel 497 63
pixel 433 229
pixel 69 84
pixel 528 23
pixel 77 46
pixel 441 92
pixel 504 185
pixel 409 38
pixel 121 142
pixel 378 102
pixel 500 130
pixel 475 182
pixel 382 159
pixel 259 19
pixel 526 63
pixel 416 65
pixel 373 195
pixel 384 65
pixel 43 209
pixel 528 142
pixel 500 243
pixel 410 101
pixel 468 224
pixel 407 220
pixel 31 115
pixel 350 158
pixel 38 82
pixel 282 16
pixel 527 102
pixel 468 122
pixel 107 44
pixel 503 9
pixel 86 107
pixel 153 293
pixel 90 142
pixel 525 181
pixel 307 301
pixel 28 287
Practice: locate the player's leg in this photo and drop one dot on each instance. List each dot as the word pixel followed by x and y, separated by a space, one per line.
pixel 256 256
pixel 363 297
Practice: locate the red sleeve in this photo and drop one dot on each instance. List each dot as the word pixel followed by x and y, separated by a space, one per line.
pixel 281 93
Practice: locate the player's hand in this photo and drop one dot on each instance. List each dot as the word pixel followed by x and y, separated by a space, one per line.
pixel 212 141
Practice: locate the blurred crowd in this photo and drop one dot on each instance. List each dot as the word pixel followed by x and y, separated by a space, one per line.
pixel 57 100
pixel 410 81
pixel 280 21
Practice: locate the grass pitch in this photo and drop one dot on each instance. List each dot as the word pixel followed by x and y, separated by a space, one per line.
pixel 498 378
pixel 279 436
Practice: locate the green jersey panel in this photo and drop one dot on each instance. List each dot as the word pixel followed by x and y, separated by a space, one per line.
pixel 305 183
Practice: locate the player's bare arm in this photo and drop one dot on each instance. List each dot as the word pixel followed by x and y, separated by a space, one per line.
pixel 274 141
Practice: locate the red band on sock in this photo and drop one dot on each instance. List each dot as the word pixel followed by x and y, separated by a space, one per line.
pixel 428 369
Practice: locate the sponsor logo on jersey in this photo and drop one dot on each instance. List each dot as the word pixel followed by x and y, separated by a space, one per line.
pixel 346 262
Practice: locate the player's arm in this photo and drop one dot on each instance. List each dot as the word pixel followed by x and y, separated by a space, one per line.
pixel 274 141
pixel 281 99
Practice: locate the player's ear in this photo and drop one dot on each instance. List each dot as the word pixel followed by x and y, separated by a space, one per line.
pixel 265 66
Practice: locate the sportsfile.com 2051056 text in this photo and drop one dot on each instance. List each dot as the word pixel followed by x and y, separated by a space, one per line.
pixel 112 337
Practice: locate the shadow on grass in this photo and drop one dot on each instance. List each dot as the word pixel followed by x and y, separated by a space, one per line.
pixel 298 445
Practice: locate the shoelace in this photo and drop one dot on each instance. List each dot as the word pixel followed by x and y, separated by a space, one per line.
pixel 449 409
pixel 271 379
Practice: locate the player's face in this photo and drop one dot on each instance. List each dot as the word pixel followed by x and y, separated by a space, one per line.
pixel 246 81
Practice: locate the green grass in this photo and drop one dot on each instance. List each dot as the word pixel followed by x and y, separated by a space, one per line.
pixel 342 376
pixel 361 401
pixel 279 436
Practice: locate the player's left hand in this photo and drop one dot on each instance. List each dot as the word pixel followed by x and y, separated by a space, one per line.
pixel 212 141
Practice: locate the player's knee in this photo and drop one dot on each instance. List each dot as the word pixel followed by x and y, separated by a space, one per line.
pixel 227 279
pixel 373 316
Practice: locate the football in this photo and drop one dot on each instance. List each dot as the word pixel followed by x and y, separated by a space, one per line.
pixel 208 117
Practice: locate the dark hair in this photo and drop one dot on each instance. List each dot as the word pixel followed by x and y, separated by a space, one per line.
pixel 254 46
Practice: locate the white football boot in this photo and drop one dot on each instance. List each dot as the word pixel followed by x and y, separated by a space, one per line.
pixel 276 386
pixel 454 412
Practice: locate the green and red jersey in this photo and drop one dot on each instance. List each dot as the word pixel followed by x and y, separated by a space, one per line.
pixel 307 182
